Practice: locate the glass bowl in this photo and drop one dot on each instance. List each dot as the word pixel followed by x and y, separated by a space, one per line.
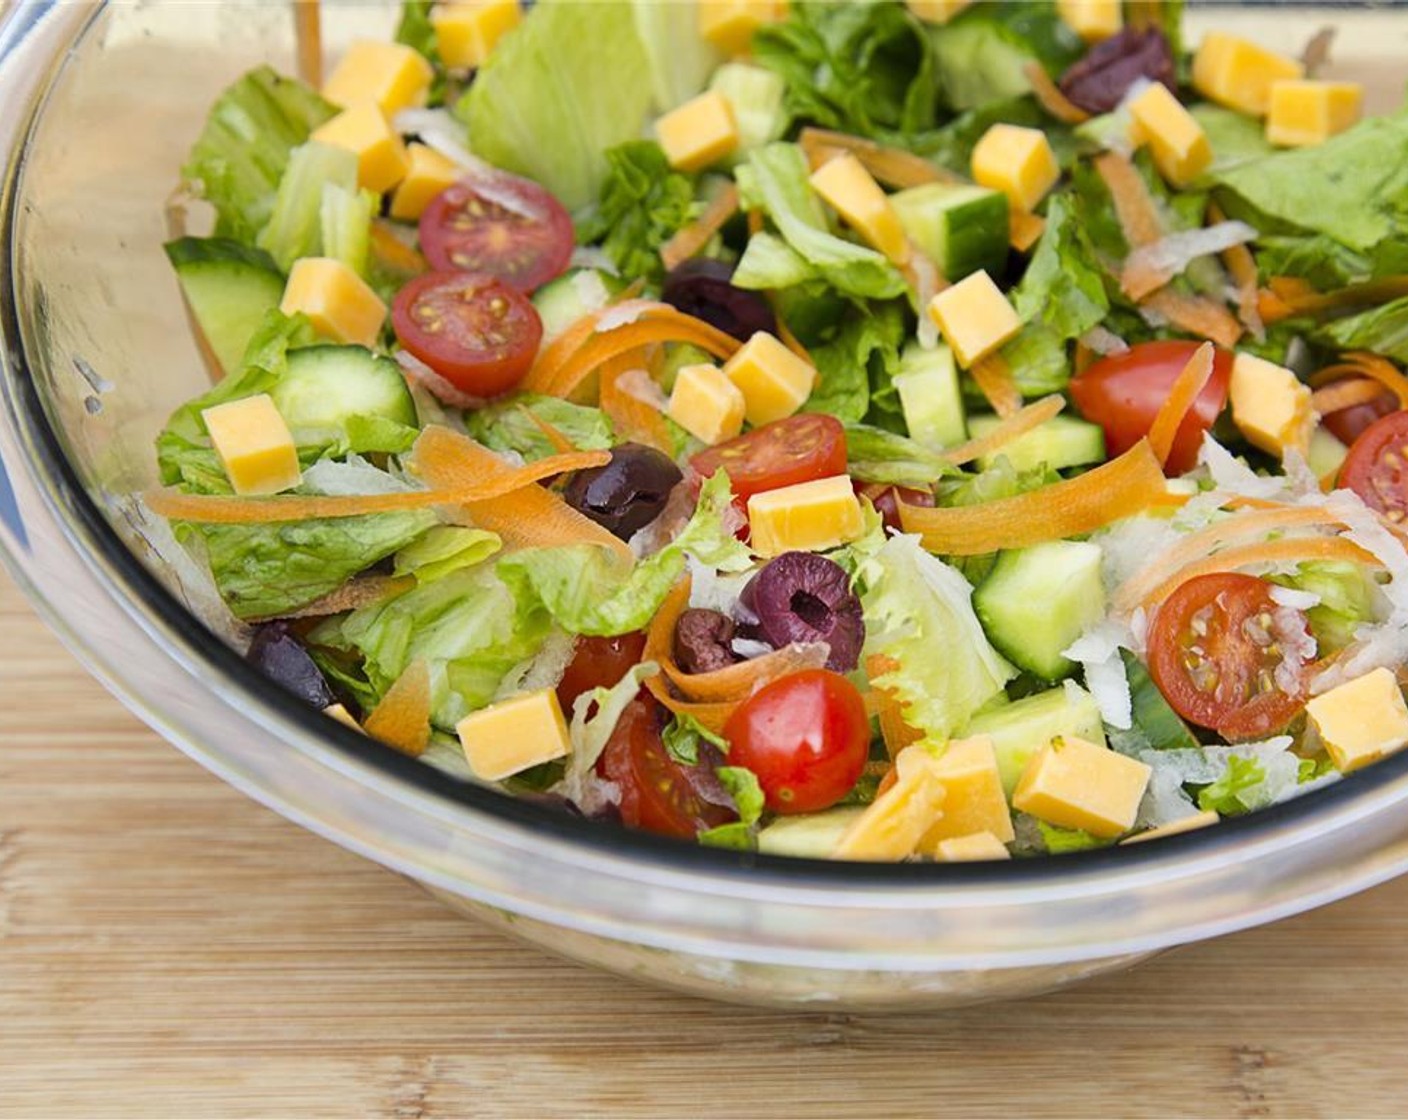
pixel 98 106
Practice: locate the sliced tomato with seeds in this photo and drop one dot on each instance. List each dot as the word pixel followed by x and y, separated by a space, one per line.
pixel 800 448
pixel 1376 467
pixel 472 329
pixel 507 227
pixel 1226 656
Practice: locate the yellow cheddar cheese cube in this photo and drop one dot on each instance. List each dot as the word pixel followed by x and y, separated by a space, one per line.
pixel 1018 162
pixel 699 132
pixel 974 317
pixel 775 382
pixel 342 715
pixel 1191 823
pixel 1073 783
pixel 1092 20
pixel 1361 721
pixel 338 302
pixel 857 197
pixel 427 174
pixel 468 30
pixel 706 404
pixel 1271 406
pixel 729 24
pixel 975 801
pixel 894 823
pixel 254 444
pixel 973 847
pixel 364 131
pixel 390 76
pixel 1305 112
pixel 512 735
pixel 936 11
pixel 1179 145
pixel 807 517
pixel 1238 73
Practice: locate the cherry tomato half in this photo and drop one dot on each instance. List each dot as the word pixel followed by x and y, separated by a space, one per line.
pixel 472 329
pixel 805 736
pixel 1375 468
pixel 598 663
pixel 521 234
pixel 1348 424
pixel 658 794
pixel 798 449
pixel 1214 651
pixel 887 499
pixel 1123 393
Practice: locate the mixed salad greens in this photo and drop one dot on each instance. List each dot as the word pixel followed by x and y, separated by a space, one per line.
pixel 874 431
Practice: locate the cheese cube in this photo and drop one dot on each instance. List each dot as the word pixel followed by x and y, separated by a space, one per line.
pixel 254 445
pixel 342 715
pixel 1190 823
pixel 975 801
pixel 336 300
pixel 1073 783
pixel 729 24
pixel 894 823
pixel 1270 406
pixel 974 317
pixel 1305 112
pixel 807 517
pixel 390 76
pixel 775 382
pixel 699 132
pixel 427 174
pixel 1018 162
pixel 857 197
pixel 936 11
pixel 971 848
pixel 364 131
pixel 706 404
pixel 467 31
pixel 1238 73
pixel 512 735
pixel 1092 20
pixel 1361 721
pixel 1179 145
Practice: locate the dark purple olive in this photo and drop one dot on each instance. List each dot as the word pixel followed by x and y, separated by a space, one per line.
pixel 281 657
pixel 701 288
pixel 1099 81
pixel 704 641
pixel 628 493
pixel 803 597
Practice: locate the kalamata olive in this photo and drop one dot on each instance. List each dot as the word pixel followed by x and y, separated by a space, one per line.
pixel 281 657
pixel 628 493
pixel 1099 81
pixel 701 288
pixel 704 641
pixel 803 597
pixel 886 499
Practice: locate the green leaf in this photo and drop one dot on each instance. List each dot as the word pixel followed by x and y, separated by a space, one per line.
pixel 1383 329
pixel 1347 592
pixel 1227 795
pixel 1062 289
pixel 1059 841
pixel 981 52
pixel 877 455
pixel 311 183
pixel 1152 717
pixel 680 59
pixel 865 351
pixel 444 549
pixel 682 736
pixel 507 425
pixel 643 204
pixel 742 834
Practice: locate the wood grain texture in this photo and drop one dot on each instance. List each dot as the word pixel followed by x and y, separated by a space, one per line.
pixel 169 948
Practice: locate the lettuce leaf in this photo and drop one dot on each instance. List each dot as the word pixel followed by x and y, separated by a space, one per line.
pixel 1383 329
pixel 444 549
pixel 877 455
pixel 318 210
pixel 1347 592
pixel 981 52
pixel 864 352
pixel 643 204
pixel 1062 288
pixel 505 425
pixel 1229 794
pixel 741 835
pixel 680 59
pixel 1059 841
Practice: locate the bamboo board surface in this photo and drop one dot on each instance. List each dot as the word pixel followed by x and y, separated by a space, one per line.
pixel 170 948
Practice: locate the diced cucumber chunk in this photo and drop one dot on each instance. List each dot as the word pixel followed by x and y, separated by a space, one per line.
pixel 230 288
pixel 328 387
pixel 961 228
pixel 1061 442
pixel 1037 601
pixel 1151 712
pixel 755 96
pixel 1022 728
pixel 808 836
pixel 1326 453
pixel 930 396
pixel 575 293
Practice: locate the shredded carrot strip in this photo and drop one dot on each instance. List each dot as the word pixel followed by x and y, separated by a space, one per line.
pixel 394 253
pixel 402 719
pixel 1134 206
pixel 1050 97
pixel 892 775
pixel 556 354
pixel 893 729
pixel 1084 357
pixel 994 377
pixel 1197 315
pixel 1121 487
pixel 1012 428
pixel 738 682
pixel 712 716
pixel 693 237
pixel 1024 229
pixel 892 166
pixel 1345 394
pixel 632 418
pixel 1361 363
pixel 1292 288
pixel 1241 266
pixel 755 222
pixel 1271 308
pixel 1191 381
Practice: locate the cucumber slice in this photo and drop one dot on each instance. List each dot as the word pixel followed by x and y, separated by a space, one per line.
pixel 1036 601
pixel 808 836
pixel 563 301
pixel 229 288
pixel 930 396
pixel 326 388
pixel 1326 453
pixel 961 228
pixel 1022 728
pixel 1061 442
pixel 1151 713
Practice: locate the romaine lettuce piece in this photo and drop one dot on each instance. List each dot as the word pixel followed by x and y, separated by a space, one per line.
pixel 444 549
pixel 1383 329
pixel 643 204
pixel 507 425
pixel 313 193
pixel 680 59
pixel 864 352
pixel 1063 288
pixel 980 54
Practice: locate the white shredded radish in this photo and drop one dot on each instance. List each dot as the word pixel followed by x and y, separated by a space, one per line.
pixel 1174 252
pixel 591 256
pixel 749 648
pixel 623 314
pixel 1104 342
pixel 638 384
pixel 926 285
pixel 1293 598
pixel 1232 476
pixel 1098 651
pixel 715 591
pixel 1297 647
pixel 440 131
pixel 436 385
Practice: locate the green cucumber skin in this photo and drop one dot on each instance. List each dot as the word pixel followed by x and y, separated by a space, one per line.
pixel 326 385
pixel 1061 442
pixel 1023 727
pixel 931 397
pixel 963 229
pixel 229 288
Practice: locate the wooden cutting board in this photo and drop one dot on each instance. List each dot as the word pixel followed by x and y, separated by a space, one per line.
pixel 169 948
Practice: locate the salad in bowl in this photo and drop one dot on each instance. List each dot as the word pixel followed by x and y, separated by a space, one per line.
pixel 928 431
